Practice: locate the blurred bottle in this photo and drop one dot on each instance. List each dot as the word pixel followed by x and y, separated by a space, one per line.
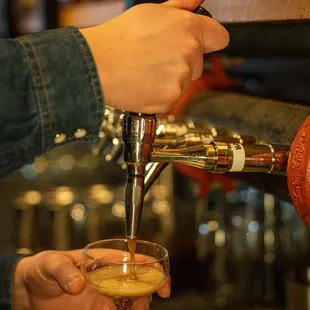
pixel 86 13
pixel 4 19
pixel 27 16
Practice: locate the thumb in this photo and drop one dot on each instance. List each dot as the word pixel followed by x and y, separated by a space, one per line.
pixel 62 269
pixel 188 5
pixel 215 36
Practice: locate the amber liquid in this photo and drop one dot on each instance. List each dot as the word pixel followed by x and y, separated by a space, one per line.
pixel 132 245
pixel 115 281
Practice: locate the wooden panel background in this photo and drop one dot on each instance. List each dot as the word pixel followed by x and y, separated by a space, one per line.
pixel 228 11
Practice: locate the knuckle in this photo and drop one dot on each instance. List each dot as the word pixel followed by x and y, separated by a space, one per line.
pixel 49 252
pixel 52 256
pixel 185 71
pixel 141 9
pixel 165 109
pixel 54 261
pixel 46 255
pixel 190 21
pixel 173 93
pixel 192 47
pixel 61 267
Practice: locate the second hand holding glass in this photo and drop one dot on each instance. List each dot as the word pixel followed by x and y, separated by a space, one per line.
pixel 108 269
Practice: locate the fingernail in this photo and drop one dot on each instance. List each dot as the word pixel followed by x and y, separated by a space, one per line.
pixel 72 280
pixel 167 293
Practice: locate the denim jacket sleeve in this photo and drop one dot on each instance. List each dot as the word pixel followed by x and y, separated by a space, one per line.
pixel 8 263
pixel 50 95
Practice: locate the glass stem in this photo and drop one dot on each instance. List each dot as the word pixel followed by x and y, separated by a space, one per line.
pixel 123 304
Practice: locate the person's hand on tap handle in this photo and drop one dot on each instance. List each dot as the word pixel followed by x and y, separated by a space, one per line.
pixel 147 56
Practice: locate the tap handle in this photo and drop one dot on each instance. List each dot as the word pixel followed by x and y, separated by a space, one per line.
pixel 202 11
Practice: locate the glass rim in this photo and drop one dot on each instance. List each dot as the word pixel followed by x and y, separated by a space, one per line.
pixel 90 245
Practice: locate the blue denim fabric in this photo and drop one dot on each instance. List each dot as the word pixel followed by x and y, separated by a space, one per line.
pixel 8 263
pixel 49 85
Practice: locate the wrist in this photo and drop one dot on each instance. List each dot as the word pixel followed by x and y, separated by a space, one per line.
pixel 19 292
pixel 103 53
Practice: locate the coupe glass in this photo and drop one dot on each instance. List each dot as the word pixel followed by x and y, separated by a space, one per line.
pixel 108 269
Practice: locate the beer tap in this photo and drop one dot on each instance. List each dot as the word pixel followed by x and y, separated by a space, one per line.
pixel 151 143
pixel 213 156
